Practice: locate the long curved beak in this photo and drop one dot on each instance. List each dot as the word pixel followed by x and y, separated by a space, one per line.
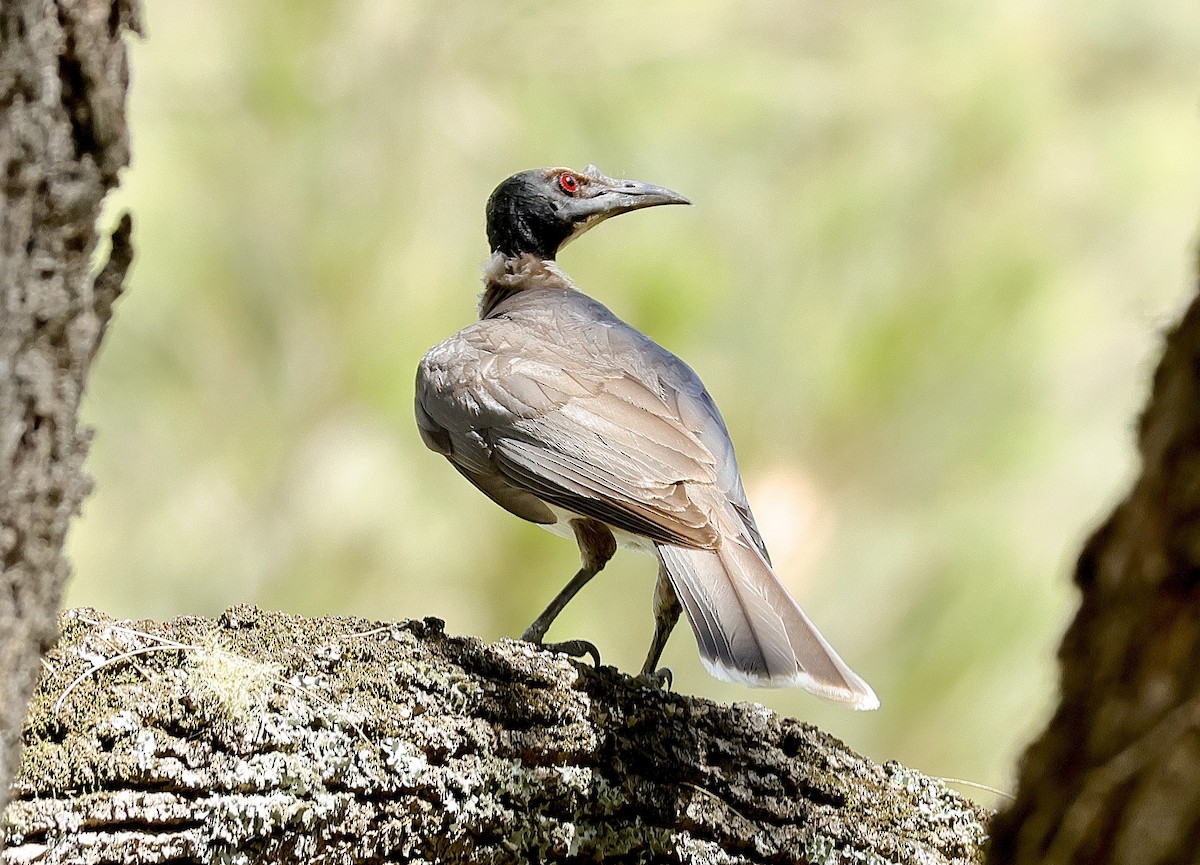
pixel 604 197
pixel 615 196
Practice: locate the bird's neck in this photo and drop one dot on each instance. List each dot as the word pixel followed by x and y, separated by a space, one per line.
pixel 506 275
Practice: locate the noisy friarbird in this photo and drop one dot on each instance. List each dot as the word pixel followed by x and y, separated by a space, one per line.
pixel 568 417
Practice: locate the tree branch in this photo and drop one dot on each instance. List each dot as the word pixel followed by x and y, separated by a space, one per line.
pixel 267 737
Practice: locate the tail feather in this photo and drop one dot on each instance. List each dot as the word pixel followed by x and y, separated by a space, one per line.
pixel 750 630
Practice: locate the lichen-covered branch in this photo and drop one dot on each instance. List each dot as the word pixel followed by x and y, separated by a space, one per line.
pixel 62 141
pixel 267 737
pixel 1115 778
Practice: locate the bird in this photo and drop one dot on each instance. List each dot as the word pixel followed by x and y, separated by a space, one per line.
pixel 566 416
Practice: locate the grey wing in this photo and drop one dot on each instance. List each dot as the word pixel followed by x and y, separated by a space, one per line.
pixel 447 408
pixel 693 404
pixel 616 440
pixel 602 457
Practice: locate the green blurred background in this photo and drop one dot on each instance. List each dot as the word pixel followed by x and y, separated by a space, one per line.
pixel 934 245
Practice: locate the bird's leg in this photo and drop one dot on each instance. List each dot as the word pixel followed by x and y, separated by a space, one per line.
pixel 596 547
pixel 666 614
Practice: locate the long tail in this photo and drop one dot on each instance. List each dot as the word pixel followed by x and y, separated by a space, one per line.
pixel 750 630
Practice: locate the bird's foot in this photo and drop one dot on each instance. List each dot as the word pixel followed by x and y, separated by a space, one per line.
pixel 660 679
pixel 571 648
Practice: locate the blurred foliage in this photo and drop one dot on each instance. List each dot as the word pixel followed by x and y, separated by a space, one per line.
pixel 933 247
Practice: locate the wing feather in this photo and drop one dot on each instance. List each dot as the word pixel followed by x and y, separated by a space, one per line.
pixel 558 398
pixel 632 474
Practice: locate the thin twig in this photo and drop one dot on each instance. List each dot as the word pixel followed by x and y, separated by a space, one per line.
pixel 381 630
pixel 978 786
pixel 144 650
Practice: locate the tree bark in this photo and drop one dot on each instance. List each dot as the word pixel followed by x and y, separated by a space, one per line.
pixel 62 142
pixel 268 737
pixel 1116 775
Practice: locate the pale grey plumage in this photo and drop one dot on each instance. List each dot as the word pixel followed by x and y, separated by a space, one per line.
pixel 556 409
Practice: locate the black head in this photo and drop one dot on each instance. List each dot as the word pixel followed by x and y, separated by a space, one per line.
pixel 542 210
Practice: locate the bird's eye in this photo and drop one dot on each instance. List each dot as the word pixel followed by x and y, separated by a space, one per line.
pixel 569 183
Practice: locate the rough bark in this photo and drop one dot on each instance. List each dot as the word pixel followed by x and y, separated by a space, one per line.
pixel 267 737
pixel 62 142
pixel 1116 775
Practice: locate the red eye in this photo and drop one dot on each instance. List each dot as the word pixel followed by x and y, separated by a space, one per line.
pixel 569 183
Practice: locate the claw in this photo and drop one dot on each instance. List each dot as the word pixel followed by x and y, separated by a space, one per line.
pixel 660 678
pixel 574 649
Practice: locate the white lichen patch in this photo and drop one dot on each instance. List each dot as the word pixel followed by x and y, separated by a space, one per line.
pixel 406 760
pixel 824 851
pixel 146 750
pixel 689 849
pixel 231 684
pixel 939 812
pixel 123 722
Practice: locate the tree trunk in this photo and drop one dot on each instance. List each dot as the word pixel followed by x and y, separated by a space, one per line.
pixel 267 737
pixel 62 142
pixel 1116 776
